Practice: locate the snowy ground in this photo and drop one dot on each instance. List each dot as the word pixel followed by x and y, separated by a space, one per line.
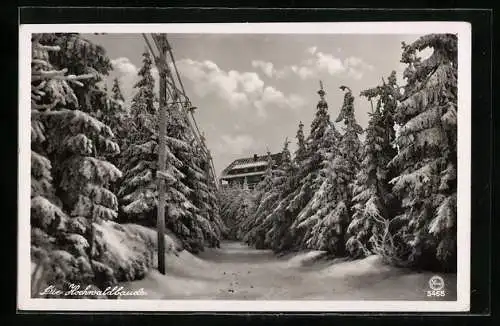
pixel 236 271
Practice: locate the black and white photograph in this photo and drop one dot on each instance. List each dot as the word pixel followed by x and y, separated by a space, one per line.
pixel 245 167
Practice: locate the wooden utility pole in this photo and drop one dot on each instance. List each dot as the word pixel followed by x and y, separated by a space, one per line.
pixel 169 92
pixel 162 69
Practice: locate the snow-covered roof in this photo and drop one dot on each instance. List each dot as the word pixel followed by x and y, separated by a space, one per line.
pixel 259 158
pixel 249 165
pixel 253 161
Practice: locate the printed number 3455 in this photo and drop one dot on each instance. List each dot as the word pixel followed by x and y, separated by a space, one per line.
pixel 434 293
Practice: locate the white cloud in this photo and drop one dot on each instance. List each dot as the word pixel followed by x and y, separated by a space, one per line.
pixel 236 89
pixel 272 97
pixel 311 67
pixel 231 86
pixel 329 63
pixel 309 62
pixel 321 62
pixel 239 89
pixel 304 72
pixel 237 145
pixel 266 67
pixel 358 63
pixel 353 61
pixel 356 66
pixel 123 66
pixel 355 73
pixel 295 101
pixel 250 81
pixel 312 49
pixel 285 72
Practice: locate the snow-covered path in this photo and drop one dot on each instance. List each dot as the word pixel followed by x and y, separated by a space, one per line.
pixel 238 272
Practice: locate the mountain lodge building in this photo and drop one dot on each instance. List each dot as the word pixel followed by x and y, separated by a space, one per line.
pixel 249 169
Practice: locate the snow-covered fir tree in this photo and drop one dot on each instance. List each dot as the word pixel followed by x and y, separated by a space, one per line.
pixel 187 207
pixel 319 206
pixel 374 202
pixel 115 115
pixel 300 152
pixel 308 178
pixel 253 229
pixel 288 192
pixel 80 56
pixel 427 157
pixel 205 196
pixel 278 236
pixel 329 209
pixel 47 216
pixel 143 101
pixel 191 210
pixel 138 191
pixel 118 117
pixel 315 156
pixel 225 195
pixel 215 217
pixel 69 171
pixel 230 198
pixel 86 193
pixel 241 210
pixel 117 92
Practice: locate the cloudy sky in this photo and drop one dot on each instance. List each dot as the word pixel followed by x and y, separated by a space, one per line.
pixel 252 90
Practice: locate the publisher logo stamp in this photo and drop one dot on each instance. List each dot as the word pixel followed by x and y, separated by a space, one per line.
pixel 436 285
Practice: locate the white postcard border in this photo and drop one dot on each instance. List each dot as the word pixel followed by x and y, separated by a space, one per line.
pixel 463 29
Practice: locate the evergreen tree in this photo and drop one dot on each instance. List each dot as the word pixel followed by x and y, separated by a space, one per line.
pixel 143 102
pixel 319 206
pixel 86 193
pixel 226 197
pixel 300 153
pixel 254 227
pixel 117 92
pixel 333 202
pixel 138 191
pixel 280 220
pixel 191 205
pixel 374 202
pixel 426 161
pixel 82 57
pixel 231 199
pixel 187 220
pixel 214 212
pixel 204 196
pixel 289 191
pixel 242 209
pixel 118 117
pixel 70 175
pixel 310 174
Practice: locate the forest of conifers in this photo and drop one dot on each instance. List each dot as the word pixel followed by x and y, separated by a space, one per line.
pixel 93 169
